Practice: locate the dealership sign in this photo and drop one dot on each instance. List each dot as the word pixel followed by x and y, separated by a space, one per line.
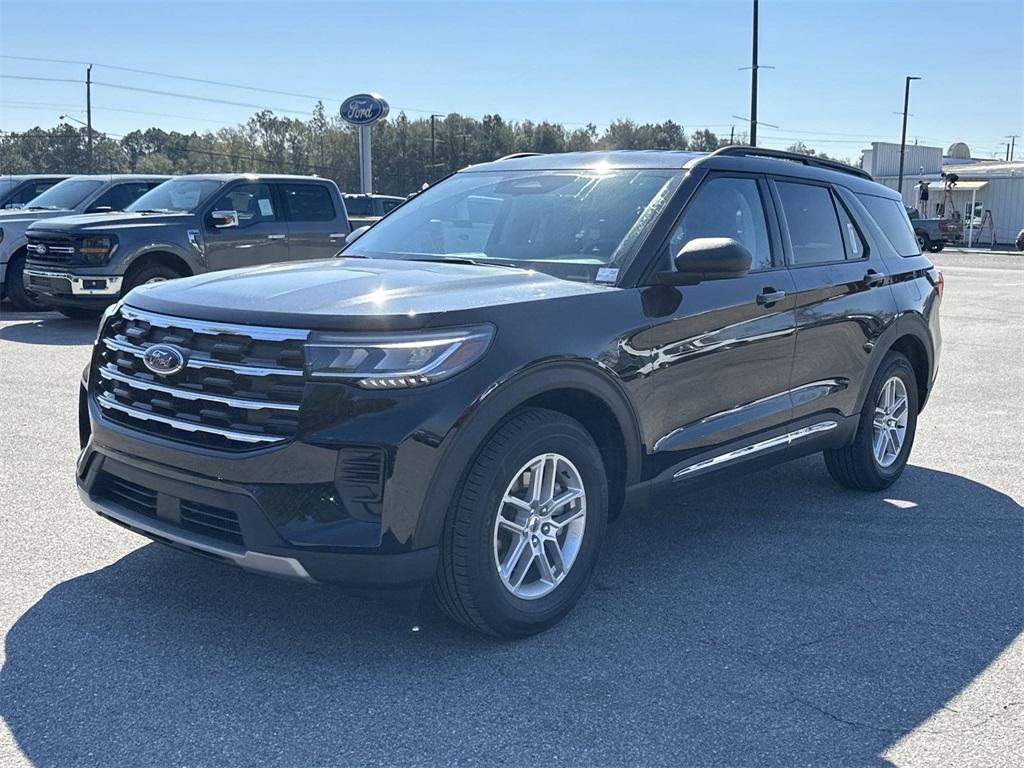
pixel 363 109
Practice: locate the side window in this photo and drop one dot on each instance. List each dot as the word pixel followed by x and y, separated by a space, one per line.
pixel 359 206
pixel 120 196
pixel 390 205
pixel 725 207
pixel 856 248
pixel 812 222
pixel 30 191
pixel 253 203
pixel 308 202
pixel 891 218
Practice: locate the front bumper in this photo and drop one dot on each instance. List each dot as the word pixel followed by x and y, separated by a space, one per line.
pixel 61 284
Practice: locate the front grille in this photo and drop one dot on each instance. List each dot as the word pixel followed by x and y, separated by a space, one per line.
pixel 46 249
pixel 240 387
pixel 195 516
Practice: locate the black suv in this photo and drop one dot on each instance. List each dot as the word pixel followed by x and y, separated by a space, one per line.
pixel 482 378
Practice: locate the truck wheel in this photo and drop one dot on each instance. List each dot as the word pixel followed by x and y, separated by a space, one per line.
pixel 80 313
pixel 148 273
pixel 885 433
pixel 22 299
pixel 923 241
pixel 936 248
pixel 523 534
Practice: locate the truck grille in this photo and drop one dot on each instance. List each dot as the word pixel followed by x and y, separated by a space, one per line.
pixel 240 387
pixel 47 249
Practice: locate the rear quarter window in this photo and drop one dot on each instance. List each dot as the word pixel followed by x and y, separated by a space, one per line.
pixel 891 218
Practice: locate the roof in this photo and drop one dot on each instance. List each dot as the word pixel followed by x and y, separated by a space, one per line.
pixel 961 186
pixel 266 176
pixel 28 176
pixel 619 158
pixel 122 176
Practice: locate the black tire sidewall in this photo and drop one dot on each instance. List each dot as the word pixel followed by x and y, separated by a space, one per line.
pixel 895 365
pixel 22 299
pixel 140 275
pixel 505 613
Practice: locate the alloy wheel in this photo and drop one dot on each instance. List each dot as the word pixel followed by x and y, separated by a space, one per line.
pixel 889 426
pixel 539 528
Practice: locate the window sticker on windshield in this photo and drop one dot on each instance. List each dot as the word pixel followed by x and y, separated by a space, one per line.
pixel 607 275
pixel 265 208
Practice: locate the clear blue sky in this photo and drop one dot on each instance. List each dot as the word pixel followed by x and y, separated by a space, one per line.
pixel 838 77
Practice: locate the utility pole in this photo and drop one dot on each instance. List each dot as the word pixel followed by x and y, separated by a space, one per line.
pixel 1013 143
pixel 88 114
pixel 433 147
pixel 903 139
pixel 753 85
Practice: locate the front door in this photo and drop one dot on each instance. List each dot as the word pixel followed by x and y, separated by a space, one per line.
pixel 261 236
pixel 721 359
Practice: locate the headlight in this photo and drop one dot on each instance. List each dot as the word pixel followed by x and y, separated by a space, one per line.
pixel 396 360
pixel 97 250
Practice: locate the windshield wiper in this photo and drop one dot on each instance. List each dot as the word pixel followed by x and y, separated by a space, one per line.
pixel 467 260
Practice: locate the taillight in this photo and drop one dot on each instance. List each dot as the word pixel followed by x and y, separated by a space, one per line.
pixel 935 278
pixel 943 226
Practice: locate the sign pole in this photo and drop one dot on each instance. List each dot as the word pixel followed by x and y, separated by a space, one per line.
pixel 365 160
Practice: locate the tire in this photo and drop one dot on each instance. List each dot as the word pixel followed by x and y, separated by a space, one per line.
pixel 936 248
pixel 22 299
pixel 80 313
pixel 923 241
pixel 856 465
pixel 148 273
pixel 469 585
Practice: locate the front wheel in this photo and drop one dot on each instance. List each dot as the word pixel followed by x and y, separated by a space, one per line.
pixel 885 433
pixel 522 537
pixel 147 274
pixel 23 299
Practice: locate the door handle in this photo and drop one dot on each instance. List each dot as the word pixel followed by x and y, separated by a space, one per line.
pixel 276 237
pixel 337 235
pixel 769 296
pixel 872 278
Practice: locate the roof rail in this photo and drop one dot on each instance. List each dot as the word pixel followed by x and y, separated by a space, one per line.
pixel 514 155
pixel 778 154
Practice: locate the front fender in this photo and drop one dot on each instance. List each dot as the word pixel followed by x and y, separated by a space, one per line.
pixel 490 409
pixel 189 255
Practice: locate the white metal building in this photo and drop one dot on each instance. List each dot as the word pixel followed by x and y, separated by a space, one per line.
pixel 983 185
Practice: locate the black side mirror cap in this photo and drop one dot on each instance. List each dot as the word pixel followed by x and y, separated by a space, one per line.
pixel 707 258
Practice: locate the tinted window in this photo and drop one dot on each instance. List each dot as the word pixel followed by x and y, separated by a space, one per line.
pixel 120 196
pixel 31 190
pixel 812 222
pixel 390 205
pixel 184 195
pixel 359 206
pixel 252 202
pixel 891 218
pixel 66 195
pixel 725 207
pixel 309 202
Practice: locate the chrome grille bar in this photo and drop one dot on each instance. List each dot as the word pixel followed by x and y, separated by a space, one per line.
pixel 111 373
pixel 106 401
pixel 264 333
pixel 194 362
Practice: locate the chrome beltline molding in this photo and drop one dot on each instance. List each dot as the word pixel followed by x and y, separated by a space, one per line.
pixel 764 445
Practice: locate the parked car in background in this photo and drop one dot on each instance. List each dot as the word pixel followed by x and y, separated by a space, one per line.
pixel 190 225
pixel 17 191
pixel 468 411
pixel 933 234
pixel 364 210
pixel 76 194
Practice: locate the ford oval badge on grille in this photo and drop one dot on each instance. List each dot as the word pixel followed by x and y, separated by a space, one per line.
pixel 163 359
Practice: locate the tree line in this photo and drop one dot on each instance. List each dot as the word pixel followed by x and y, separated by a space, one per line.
pixel 407 153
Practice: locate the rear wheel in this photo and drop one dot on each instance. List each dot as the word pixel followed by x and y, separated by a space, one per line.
pixel 923 241
pixel 22 299
pixel 522 537
pixel 885 433
pixel 936 248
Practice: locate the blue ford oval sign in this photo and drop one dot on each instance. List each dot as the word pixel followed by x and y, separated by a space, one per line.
pixel 364 109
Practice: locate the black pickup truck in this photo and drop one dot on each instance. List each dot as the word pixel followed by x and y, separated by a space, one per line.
pixel 186 226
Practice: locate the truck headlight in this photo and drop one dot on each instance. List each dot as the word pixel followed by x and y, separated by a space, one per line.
pixel 395 360
pixel 97 250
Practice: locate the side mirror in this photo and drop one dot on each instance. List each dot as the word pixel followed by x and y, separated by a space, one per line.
pixel 708 258
pixel 355 234
pixel 224 219
pixel 100 209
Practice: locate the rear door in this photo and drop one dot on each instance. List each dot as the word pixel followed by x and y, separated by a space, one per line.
pixel 843 301
pixel 261 236
pixel 722 357
pixel 316 228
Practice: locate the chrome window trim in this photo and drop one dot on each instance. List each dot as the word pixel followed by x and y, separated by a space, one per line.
pixel 111 373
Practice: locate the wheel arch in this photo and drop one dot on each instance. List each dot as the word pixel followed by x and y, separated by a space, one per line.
pixel 580 390
pixel 911 338
pixel 161 255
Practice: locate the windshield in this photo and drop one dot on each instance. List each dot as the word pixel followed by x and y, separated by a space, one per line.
pixel 176 196
pixel 64 196
pixel 567 223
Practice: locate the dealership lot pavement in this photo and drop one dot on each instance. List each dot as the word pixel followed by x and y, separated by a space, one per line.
pixel 775 620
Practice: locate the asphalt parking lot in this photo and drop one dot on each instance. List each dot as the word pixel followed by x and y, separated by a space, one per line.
pixel 776 620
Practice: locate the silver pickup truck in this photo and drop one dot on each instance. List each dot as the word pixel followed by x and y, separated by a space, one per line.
pixel 934 234
pixel 78 194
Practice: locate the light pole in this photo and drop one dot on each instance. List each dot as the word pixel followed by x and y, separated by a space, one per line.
pixel 903 138
pixel 753 85
pixel 73 119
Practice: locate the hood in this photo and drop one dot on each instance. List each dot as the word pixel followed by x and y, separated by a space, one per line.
pixel 22 218
pixel 344 294
pixel 112 221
